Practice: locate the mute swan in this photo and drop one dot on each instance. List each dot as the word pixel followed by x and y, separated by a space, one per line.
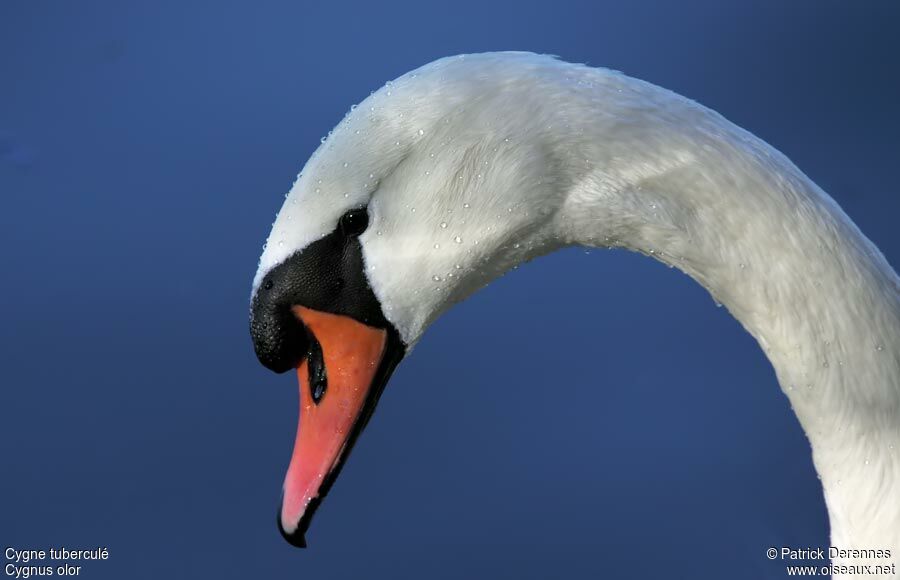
pixel 447 177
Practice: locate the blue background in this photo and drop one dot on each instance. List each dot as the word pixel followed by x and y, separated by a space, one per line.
pixel 587 415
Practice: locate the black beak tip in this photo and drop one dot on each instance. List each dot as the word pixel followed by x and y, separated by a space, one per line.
pixel 296 538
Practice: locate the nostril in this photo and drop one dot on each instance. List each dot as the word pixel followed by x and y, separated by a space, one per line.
pixel 318 379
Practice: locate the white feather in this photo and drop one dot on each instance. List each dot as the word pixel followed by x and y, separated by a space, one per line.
pixel 473 164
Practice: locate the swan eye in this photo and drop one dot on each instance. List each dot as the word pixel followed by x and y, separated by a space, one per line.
pixel 354 222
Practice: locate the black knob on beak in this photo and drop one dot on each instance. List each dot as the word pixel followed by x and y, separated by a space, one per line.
pixel 327 275
pixel 279 338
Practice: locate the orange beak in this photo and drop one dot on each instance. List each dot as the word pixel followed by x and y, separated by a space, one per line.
pixel 340 381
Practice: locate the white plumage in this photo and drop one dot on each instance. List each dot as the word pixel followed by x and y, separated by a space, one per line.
pixel 473 164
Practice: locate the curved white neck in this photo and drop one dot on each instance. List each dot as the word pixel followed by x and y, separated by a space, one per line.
pixel 475 163
pixel 821 300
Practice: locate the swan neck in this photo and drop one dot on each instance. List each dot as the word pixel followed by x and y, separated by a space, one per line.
pixel 772 247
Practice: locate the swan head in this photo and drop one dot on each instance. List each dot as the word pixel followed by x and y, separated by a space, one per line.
pixel 434 185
